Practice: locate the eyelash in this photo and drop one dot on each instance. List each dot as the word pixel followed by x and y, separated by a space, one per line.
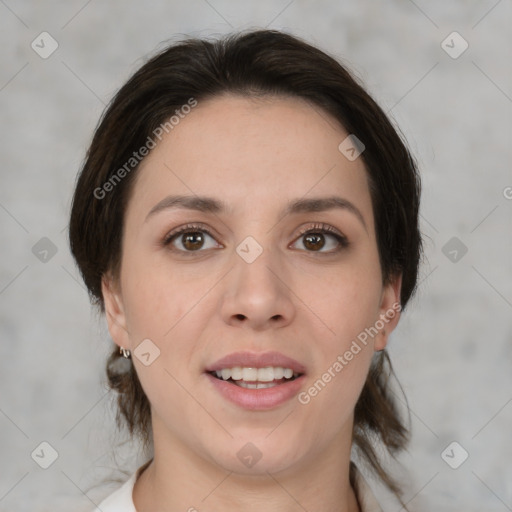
pixel 319 228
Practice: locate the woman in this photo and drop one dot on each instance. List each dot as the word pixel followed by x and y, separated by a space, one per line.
pixel 247 219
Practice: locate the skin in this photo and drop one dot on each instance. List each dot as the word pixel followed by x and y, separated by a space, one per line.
pixel 307 301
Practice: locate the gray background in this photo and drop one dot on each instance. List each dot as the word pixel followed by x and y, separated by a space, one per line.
pixel 452 350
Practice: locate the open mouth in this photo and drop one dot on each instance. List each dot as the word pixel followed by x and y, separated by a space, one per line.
pixel 254 385
pixel 256 378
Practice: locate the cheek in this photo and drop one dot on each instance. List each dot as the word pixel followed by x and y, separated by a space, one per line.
pixel 168 309
pixel 331 393
pixel 342 361
pixel 346 299
pixel 347 302
pixel 156 301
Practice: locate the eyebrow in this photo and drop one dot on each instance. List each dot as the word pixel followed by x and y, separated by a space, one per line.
pixel 212 205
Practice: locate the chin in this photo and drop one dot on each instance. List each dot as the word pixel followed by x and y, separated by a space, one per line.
pixel 256 454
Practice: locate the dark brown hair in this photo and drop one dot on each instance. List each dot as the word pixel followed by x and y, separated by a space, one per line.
pixel 251 63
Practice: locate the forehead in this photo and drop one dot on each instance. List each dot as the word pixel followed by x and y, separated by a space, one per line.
pixel 252 152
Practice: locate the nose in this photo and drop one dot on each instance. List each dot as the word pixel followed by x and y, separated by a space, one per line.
pixel 257 294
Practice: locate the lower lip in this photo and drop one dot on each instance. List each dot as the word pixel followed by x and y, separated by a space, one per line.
pixel 257 399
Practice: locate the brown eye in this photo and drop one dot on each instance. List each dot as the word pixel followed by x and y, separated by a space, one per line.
pixel 314 241
pixel 322 236
pixel 190 239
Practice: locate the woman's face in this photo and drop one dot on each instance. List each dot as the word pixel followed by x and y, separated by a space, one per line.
pixel 246 178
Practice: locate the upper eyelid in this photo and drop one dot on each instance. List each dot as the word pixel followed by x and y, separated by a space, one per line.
pixel 198 226
pixel 202 227
pixel 186 228
pixel 322 226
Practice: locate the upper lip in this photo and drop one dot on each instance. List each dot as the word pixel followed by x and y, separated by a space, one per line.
pixel 256 360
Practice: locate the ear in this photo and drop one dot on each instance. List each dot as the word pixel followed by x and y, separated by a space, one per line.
pixel 389 311
pixel 114 311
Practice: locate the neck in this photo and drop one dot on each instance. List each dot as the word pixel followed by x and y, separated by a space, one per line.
pixel 178 479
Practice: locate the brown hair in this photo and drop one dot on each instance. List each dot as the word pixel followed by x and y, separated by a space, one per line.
pixel 251 63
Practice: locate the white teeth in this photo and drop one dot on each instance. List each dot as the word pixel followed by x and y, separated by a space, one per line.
pixel 265 374
pixel 258 385
pixel 249 374
pixel 278 372
pixel 236 373
pixel 261 375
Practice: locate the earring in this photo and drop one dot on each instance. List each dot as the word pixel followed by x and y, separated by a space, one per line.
pixel 124 352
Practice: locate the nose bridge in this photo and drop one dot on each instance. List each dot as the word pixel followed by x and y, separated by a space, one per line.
pixel 256 293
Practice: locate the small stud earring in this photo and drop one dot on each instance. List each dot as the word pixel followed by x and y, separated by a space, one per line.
pixel 124 352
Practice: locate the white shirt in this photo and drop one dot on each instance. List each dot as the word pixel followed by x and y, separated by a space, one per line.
pixel 122 501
